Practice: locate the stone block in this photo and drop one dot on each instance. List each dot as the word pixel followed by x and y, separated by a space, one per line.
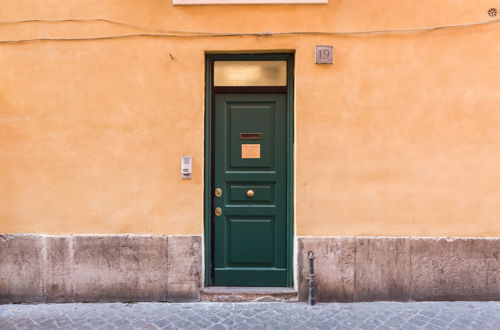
pixel 448 269
pixel 94 268
pixel 184 268
pixel 152 268
pixel 382 269
pixel 58 268
pixel 392 268
pixel 493 278
pixel 334 267
pixel 120 268
pixel 20 269
pixel 492 247
pixel 454 269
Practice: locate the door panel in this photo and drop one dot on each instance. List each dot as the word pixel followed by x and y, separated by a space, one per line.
pixel 264 193
pixel 250 236
pixel 244 119
pixel 242 234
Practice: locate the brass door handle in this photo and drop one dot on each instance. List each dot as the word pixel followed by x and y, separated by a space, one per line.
pixel 218 192
pixel 250 193
pixel 218 211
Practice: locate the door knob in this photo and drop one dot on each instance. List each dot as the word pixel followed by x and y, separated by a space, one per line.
pixel 218 192
pixel 250 193
pixel 218 211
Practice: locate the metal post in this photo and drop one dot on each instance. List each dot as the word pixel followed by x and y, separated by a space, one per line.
pixel 310 278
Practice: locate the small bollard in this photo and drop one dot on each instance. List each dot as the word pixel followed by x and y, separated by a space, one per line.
pixel 310 278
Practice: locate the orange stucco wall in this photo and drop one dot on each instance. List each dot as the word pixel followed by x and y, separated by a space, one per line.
pixel 401 136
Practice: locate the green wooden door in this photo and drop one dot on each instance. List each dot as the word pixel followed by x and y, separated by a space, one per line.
pixel 250 236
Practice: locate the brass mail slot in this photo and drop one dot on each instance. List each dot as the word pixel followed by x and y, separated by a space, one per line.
pixel 250 136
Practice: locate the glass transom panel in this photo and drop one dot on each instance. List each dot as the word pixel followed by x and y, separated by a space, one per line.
pixel 250 73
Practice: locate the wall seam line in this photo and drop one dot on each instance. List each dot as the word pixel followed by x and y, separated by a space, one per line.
pixel 411 272
pixel 43 268
pixel 355 289
pixel 168 266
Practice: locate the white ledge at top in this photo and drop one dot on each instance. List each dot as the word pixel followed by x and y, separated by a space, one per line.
pixel 246 2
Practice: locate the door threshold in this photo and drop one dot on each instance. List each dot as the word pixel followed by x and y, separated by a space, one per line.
pixel 248 294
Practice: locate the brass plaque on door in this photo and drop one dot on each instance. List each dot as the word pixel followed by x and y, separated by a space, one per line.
pixel 249 151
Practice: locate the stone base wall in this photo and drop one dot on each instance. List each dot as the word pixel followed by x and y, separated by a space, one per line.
pixel 98 268
pixel 105 268
pixel 399 268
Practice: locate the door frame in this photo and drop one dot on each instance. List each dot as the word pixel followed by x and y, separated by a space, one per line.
pixel 209 159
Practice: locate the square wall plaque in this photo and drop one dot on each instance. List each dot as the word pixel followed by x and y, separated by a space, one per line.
pixel 324 54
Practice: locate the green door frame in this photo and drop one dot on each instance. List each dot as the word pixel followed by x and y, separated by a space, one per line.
pixel 208 167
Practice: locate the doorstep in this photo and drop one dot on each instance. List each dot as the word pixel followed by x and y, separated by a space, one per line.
pixel 247 294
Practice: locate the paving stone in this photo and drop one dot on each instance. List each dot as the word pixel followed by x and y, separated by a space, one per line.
pixel 151 316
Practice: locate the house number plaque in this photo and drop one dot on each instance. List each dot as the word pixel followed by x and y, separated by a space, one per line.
pixel 324 54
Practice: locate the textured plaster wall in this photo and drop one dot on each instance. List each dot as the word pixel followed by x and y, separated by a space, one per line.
pixel 401 136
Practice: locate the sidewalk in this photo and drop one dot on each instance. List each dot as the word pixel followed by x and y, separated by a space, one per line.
pixel 377 315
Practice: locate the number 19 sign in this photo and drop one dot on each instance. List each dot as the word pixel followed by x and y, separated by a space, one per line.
pixel 324 54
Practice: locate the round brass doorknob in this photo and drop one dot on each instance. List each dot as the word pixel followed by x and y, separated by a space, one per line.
pixel 218 211
pixel 250 193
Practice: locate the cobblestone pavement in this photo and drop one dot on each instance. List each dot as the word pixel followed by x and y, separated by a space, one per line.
pixel 378 315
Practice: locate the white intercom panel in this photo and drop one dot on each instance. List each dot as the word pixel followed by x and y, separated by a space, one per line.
pixel 186 167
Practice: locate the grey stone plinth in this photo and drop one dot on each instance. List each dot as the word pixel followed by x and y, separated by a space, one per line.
pixel 20 269
pixel 455 269
pixel 334 267
pixel 99 268
pixel 184 268
pixel 120 268
pixel 382 269
pixel 103 268
pixel 401 268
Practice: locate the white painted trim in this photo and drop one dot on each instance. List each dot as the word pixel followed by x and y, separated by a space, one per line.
pixel 242 2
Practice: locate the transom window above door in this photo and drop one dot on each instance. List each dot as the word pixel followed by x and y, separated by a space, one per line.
pixel 250 73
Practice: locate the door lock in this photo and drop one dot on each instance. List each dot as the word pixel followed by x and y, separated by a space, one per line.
pixel 218 211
